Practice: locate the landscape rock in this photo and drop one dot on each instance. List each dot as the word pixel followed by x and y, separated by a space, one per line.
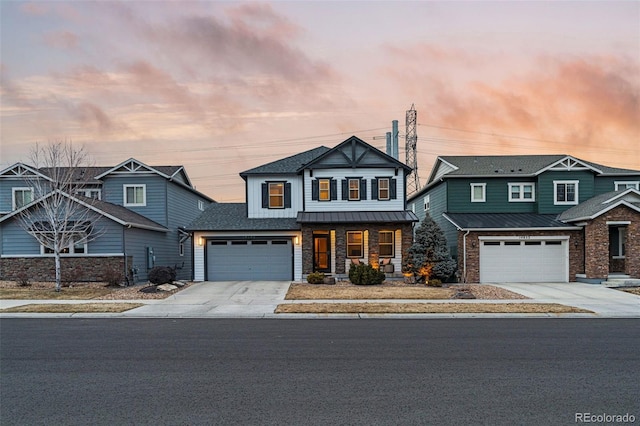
pixel 178 283
pixel 329 280
pixel 166 287
pixel 463 295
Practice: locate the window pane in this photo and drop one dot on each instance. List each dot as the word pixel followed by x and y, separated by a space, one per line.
pixel 354 244
pixel 571 192
pixel 325 193
pixel 528 192
pixel 560 191
pixel 354 189
pixel 276 195
pixel 386 243
pixel 383 189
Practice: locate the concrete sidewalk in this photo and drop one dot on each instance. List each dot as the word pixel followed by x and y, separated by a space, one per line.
pixel 251 299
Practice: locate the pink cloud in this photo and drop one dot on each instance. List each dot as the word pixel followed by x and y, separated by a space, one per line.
pixel 61 40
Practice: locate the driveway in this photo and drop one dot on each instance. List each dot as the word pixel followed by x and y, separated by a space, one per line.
pixel 219 299
pixel 599 299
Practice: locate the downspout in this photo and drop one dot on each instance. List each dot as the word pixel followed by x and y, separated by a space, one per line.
pixel 464 256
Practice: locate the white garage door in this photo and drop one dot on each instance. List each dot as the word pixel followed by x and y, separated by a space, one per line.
pixel 524 261
pixel 253 260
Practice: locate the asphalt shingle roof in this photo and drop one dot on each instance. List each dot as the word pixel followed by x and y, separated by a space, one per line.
pixel 289 165
pixel 492 165
pixel 505 220
pixel 591 207
pixel 233 217
pixel 122 213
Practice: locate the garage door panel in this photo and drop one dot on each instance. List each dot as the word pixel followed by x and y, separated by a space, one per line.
pixel 523 261
pixel 249 260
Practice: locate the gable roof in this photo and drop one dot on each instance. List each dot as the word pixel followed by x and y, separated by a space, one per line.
pixel 233 217
pixel 117 213
pixel 354 152
pixel 20 170
pixel 601 204
pixel 288 165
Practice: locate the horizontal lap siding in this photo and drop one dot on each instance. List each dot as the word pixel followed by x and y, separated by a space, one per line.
pixel 546 190
pixel 496 196
pixel 254 197
pixel 362 205
pixel 156 195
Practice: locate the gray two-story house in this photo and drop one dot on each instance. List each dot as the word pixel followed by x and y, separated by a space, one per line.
pixel 138 212
pixel 535 218
pixel 319 210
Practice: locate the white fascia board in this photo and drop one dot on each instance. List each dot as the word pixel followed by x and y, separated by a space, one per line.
pixel 133 160
pixel 570 157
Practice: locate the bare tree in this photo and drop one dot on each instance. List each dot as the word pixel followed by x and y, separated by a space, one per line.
pixel 58 218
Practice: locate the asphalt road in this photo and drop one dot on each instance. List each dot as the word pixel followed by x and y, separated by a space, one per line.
pixel 308 372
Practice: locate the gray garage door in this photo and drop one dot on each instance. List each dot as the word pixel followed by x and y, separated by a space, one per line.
pixel 255 260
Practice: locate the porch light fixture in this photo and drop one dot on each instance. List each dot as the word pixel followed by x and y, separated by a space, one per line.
pixel 296 240
pixel 200 241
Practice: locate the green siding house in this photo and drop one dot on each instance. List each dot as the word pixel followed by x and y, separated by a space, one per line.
pixel 535 218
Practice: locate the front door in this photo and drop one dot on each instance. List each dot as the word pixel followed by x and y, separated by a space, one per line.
pixel 321 253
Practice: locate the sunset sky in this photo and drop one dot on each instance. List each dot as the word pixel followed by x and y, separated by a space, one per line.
pixel 221 87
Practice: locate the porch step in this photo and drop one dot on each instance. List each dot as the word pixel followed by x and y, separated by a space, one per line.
pixel 621 281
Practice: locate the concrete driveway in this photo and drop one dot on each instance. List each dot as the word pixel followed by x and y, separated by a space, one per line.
pixel 219 299
pixel 602 300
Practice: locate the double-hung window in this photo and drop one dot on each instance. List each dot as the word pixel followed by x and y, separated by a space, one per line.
pixel 565 192
pixel 354 189
pixel 478 192
pixel 21 197
pixel 276 195
pixel 355 244
pixel 324 189
pixel 77 246
pixel 522 192
pixel 135 195
pixel 626 185
pixel 383 189
pixel 385 241
pixel 427 203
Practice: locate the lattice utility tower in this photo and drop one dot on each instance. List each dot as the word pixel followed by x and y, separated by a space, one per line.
pixel 413 181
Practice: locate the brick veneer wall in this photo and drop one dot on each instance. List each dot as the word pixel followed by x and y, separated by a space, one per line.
pixel 576 251
pixel 597 243
pixel 341 241
pixel 72 268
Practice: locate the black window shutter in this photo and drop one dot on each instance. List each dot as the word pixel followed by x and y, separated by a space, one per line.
pixel 265 196
pixel 287 195
pixel 333 184
pixel 392 189
pixel 345 189
pixel 363 189
pixel 315 189
pixel 374 189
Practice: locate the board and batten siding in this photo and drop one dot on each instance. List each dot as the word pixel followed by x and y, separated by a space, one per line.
pixel 254 196
pixel 369 204
pixel 199 252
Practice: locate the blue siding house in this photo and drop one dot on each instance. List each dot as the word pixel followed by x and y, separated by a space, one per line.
pixel 139 215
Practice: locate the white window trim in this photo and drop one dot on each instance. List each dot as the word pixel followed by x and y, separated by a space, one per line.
pixel 634 184
pixel 484 192
pixel 276 195
pixel 622 238
pixel 200 205
pixel 388 189
pixel 427 203
pixel 13 195
pixel 357 189
pixel 86 192
pixel 71 247
pixel 144 195
pixel 522 199
pixel 555 192
pixel 321 189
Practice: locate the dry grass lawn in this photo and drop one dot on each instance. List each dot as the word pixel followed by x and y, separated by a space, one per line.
pixel 632 290
pixel 351 292
pixel 425 308
pixel 67 293
pixel 54 308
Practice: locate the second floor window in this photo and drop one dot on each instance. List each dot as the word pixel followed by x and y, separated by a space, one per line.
pixel 565 192
pixel 478 192
pixel 354 189
pixel 276 195
pixel 427 203
pixel 626 185
pixel 96 194
pixel 383 189
pixel 324 188
pixel 135 195
pixel 521 192
pixel 21 197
